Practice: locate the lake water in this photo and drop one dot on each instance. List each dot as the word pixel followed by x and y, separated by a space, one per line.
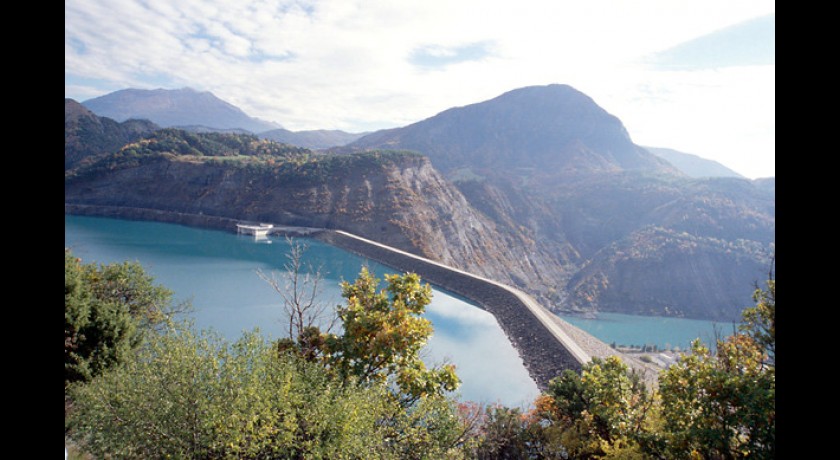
pixel 216 270
pixel 664 332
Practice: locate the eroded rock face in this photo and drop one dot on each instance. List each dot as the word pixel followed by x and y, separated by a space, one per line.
pixel 401 201
pixel 539 188
pixel 547 164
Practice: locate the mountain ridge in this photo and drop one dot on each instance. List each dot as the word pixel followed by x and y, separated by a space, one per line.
pixel 547 162
pixel 377 194
pixel 175 107
pixel 87 135
pixel 573 132
pixel 312 139
pixel 693 165
pixel 550 196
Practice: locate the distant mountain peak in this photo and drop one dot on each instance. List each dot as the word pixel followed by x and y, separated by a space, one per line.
pixel 312 139
pixel 554 129
pixel 693 165
pixel 176 107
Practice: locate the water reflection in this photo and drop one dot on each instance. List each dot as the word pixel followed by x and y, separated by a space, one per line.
pixel 217 272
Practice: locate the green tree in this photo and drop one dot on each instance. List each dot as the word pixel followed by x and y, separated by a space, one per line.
pixel 723 405
pixel 508 433
pixel 760 320
pixel 605 412
pixel 432 428
pixel 720 406
pixel 383 335
pixel 188 395
pixel 107 309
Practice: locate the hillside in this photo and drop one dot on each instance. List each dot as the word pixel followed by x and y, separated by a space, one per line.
pixel 537 134
pixel 547 162
pixel 313 139
pixel 656 271
pixel 176 107
pixel 396 198
pixel 86 134
pixel 693 165
pixel 540 188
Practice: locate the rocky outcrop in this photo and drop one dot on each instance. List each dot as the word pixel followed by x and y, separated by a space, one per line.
pixel 397 199
pixel 540 189
pixel 547 164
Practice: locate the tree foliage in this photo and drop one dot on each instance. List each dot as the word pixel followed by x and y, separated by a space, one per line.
pixel 720 406
pixel 384 332
pixel 183 394
pixel 107 309
pixel 723 405
pixel 367 394
pixel 190 395
pixel 760 320
pixel 604 410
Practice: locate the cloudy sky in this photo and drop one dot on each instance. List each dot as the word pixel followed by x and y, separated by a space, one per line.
pixel 696 76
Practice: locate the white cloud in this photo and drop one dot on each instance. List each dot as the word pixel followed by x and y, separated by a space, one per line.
pixel 346 64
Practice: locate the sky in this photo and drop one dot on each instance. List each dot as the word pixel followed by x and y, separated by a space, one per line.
pixel 695 76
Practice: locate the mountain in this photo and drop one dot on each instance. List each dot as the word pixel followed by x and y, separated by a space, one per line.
pixel 176 107
pixel 315 139
pixel 657 271
pixel 548 164
pixel 540 188
pixel 205 129
pixel 396 198
pixel 693 165
pixel 86 134
pixel 766 183
pixel 538 134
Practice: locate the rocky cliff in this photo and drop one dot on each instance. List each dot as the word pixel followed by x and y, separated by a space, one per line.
pixel 396 198
pixel 539 188
pixel 547 163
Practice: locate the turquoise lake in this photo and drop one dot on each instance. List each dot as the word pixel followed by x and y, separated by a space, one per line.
pixel 216 271
pixel 664 332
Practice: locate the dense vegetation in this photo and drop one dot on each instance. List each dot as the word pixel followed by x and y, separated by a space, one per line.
pixel 180 142
pixel 107 311
pixel 366 394
pixel 258 156
pixel 87 135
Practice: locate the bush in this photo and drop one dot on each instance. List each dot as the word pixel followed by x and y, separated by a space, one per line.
pixel 107 309
pixel 190 395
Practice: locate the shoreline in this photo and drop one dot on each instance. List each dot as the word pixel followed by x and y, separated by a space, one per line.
pixel 546 343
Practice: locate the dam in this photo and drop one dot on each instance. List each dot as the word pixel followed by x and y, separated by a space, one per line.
pixel 544 347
